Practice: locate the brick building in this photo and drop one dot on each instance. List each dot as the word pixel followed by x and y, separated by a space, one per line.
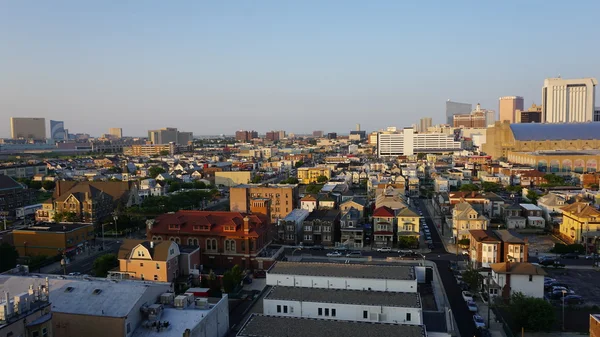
pixel 51 239
pixel 14 195
pixel 495 246
pixel 284 198
pixel 225 238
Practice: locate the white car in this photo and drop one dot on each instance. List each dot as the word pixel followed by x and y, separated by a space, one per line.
pixel 335 254
pixel 467 296
pixel 384 249
pixel 479 322
pixel 472 306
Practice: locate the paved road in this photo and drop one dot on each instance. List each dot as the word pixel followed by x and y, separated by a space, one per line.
pixel 83 263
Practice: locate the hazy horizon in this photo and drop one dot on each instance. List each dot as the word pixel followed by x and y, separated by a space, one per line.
pixel 213 68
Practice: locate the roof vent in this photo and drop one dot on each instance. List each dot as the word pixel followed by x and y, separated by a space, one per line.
pixel 97 291
pixel 69 289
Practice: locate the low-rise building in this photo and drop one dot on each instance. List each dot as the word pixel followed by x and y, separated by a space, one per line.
pixel 465 218
pixel 401 278
pixel 51 239
pixel 581 222
pixel 14 195
pixel 28 313
pixel 146 260
pixel 523 277
pixel 232 178
pixel 384 223
pixel 551 204
pixel 494 246
pixel 23 170
pixel 308 175
pixel 345 305
pixel 321 227
pixel 289 229
pixel 309 202
pixel 356 203
pixel 284 198
pixel 352 228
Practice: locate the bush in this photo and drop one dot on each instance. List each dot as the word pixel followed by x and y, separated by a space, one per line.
pixel 533 314
pixel 464 242
pixel 560 248
pixel 408 242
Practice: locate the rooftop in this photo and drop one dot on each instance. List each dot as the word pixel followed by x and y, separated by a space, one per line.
pixel 296 215
pixel 555 131
pixel 272 326
pixel 7 183
pixel 508 236
pixel 530 207
pixel 54 227
pixel 518 268
pixel 344 270
pixel 323 214
pixel 358 297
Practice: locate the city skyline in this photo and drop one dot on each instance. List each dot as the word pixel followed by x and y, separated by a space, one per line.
pixel 214 69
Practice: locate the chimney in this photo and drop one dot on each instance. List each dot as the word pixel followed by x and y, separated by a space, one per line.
pixel 57 188
pixel 9 308
pixel 246 225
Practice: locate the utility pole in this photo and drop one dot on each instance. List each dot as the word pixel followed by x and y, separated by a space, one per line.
pixel 489 297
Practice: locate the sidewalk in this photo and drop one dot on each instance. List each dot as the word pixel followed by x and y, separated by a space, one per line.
pixel 495 327
pixel 447 239
pixel 91 252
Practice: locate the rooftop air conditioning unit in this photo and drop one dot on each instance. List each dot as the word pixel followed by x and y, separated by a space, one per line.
pixel 201 303
pixel 183 301
pixel 167 298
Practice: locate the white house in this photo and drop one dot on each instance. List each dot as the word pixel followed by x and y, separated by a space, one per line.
pixel 343 276
pixel 523 277
pixel 441 184
pixel 346 305
pixel 551 203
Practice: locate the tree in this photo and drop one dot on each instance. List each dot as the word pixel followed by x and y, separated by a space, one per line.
pixel 154 171
pixel 408 242
pixel 213 284
pixel 48 185
pixel 322 179
pixel 472 278
pixel 554 180
pixel 313 188
pixel 65 217
pixel 290 180
pixel 9 257
pixel 104 263
pixel 514 189
pixel 164 153
pixel 469 188
pixel 174 186
pixel 257 179
pixel 532 196
pixel 299 163
pixel 533 314
pixel 199 185
pixel 464 242
pixel 232 279
pixel 490 187
pixel 36 185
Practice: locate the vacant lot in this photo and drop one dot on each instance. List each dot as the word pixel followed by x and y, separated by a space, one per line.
pixel 540 243
pixel 583 282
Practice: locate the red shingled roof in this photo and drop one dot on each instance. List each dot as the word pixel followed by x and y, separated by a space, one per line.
pixel 384 212
pixel 216 220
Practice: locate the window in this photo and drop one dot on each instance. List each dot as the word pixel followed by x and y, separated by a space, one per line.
pixel 326 311
pixel 142 277
pixel 320 312
pixel 155 277
pixel 157 266
pixel 408 317
pixel 332 312
pixel 285 309
pixel 530 278
pixel 128 327
pixel 279 308
pixel 365 314
pixel 141 264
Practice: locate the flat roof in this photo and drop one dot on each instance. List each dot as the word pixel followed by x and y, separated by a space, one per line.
pixel 54 227
pixel 344 270
pixel 342 296
pixel 530 207
pixel 274 326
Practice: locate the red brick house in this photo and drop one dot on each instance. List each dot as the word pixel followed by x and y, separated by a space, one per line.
pixel 225 238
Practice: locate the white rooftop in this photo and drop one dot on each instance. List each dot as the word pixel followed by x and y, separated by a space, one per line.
pixel 530 207
pixel 179 321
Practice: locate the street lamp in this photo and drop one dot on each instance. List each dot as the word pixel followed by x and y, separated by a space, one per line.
pixel 63 263
pixel 116 217
pixel 563 309
pixel 489 298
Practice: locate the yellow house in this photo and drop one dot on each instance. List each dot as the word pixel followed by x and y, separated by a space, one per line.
pixel 408 223
pixel 581 223
pixel 465 218
pixel 146 260
pixel 308 175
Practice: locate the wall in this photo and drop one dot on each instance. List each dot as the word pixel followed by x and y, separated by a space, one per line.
pixel 49 243
pixel 534 288
pixel 73 325
pixel 347 312
pixel 216 322
pixel 20 328
pixel 325 282
pixel 135 317
pixel 232 178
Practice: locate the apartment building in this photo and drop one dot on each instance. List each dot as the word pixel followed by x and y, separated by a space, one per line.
pixel 225 238
pixel 23 170
pixel 232 178
pixel 28 128
pixel 308 175
pixel 407 142
pixel 289 229
pixel 14 195
pixel 466 218
pixel 495 246
pixel 284 198
pixel 51 239
pixel 321 227
pixel 149 149
pixel 568 100
pixel 581 222
pixel 245 136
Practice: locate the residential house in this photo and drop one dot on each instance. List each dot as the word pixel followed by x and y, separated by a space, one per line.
pixel 493 246
pixel 352 228
pixel 308 175
pixel 532 178
pixel 309 202
pixel 225 238
pixel 384 225
pixel 326 201
pixel 14 195
pixel 511 214
pixel 551 204
pixel 441 184
pixel 392 201
pixel 147 260
pixel 465 218
pixel 151 188
pixel 289 229
pixel 356 203
pixel 321 227
pixel 522 277
pixel 487 203
pixel 581 223
pixel 408 222
pixel 533 214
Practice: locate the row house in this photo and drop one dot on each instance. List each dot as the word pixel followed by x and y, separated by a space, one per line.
pixel 487 203
pixel 465 218
pixel 511 214
pixel 496 246
pixel 551 204
pixel 356 203
pixel 390 225
pixel 321 227
pixel 352 228
pixel 224 238
pixel 289 229
pixel 581 223
pixel 534 215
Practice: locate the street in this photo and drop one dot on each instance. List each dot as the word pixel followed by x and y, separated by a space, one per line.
pixel 83 262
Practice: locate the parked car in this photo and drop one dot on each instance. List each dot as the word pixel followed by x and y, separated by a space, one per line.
pixel 570 256
pixel 334 254
pixel 594 256
pixel 75 274
pixel 317 247
pixel 472 306
pixel 247 280
pixel 574 299
pixel 548 261
pixel 431 245
pixel 479 322
pixel 467 296
pixel 384 249
pixel 463 285
pixel 465 253
pixel 411 256
pixel 354 254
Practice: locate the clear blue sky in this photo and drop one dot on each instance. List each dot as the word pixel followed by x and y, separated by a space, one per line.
pixel 214 67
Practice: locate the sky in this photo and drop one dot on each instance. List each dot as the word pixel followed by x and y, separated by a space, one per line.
pixel 214 67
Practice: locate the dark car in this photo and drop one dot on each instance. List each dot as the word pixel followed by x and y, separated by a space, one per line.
pixel 548 286
pixel 317 247
pixel 431 245
pixel 570 256
pixel 574 299
pixel 260 274
pixel 411 256
pixel 547 261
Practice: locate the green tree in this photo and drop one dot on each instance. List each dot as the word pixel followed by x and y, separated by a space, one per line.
pixel 472 278
pixel 48 185
pixel 174 186
pixel 408 242
pixel 299 163
pixel 164 153
pixel 36 185
pixel 469 188
pixel 9 257
pixel 199 185
pixel 322 179
pixel 464 242
pixel 554 180
pixel 214 284
pixel 232 279
pixel 514 189
pixel 104 264
pixel 154 171
pixel 490 187
pixel 290 180
pixel 314 188
pixel 533 314
pixel 532 196
pixel 257 179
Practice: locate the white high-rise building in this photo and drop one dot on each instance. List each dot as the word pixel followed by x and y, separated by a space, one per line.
pixel 406 142
pixel 568 101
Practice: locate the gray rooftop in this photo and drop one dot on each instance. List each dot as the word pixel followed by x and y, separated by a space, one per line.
pixel 556 131
pixel 272 326
pixel 75 295
pixel 297 215
pixel 358 297
pixel 344 270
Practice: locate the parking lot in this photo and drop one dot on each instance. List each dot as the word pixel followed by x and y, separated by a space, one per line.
pixel 581 281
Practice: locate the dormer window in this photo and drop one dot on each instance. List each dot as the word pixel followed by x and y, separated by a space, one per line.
pixel 174 227
pixel 229 228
